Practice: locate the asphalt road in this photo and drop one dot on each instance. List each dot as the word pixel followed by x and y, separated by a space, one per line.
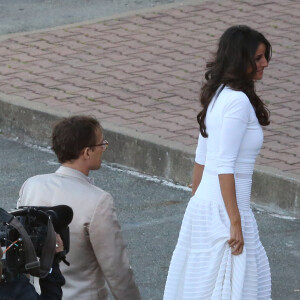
pixel 150 214
pixel 27 15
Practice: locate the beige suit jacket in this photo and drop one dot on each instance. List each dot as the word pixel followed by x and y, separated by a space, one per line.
pixel 97 251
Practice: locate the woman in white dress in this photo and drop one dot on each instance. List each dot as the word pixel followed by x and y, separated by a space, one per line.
pixel 219 255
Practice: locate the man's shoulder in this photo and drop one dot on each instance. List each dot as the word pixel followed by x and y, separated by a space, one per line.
pixel 68 184
pixel 43 176
pixel 99 192
pixel 40 178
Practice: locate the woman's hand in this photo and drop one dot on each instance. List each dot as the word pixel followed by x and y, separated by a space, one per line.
pixel 236 241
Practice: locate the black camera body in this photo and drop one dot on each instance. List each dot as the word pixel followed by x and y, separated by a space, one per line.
pixel 28 233
pixel 14 261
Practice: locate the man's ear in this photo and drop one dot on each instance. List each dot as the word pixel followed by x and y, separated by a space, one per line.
pixel 86 152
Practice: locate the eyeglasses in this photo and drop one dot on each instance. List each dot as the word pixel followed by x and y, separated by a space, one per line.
pixel 104 145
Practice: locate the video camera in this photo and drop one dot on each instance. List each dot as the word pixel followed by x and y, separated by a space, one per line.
pixel 28 233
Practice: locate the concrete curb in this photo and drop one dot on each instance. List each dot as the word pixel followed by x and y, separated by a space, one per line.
pixel 32 122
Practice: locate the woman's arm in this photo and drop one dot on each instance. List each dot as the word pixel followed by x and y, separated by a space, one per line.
pixel 199 162
pixel 197 176
pixel 234 125
pixel 227 185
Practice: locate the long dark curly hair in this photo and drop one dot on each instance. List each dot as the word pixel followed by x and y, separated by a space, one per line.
pixel 230 67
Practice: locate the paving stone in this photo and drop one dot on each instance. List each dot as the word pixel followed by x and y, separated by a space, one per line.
pixel 26 76
pixel 24 39
pixel 13 45
pixel 52 102
pixel 4 51
pixel 127 68
pixel 57 94
pixel 64 33
pixel 100 116
pixel 136 108
pixel 108 80
pixel 124 95
pixel 114 101
pixel 285 167
pixel 23 57
pixel 7 88
pixel 184 139
pixel 29 95
pixel 103 107
pixel 159 68
pixel 98 86
pixel 151 75
pixel 49 38
pixel 44 63
pixel 42 45
pixel 176 100
pixel 7 70
pixel 78 100
pixel 69 88
pixel 186 94
pixel 19 83
pixel 154 94
pixel 145 101
pixel 33 51
pixel 275 146
pixel 133 87
pixel 121 121
pixel 90 94
pixel 172 80
pixel 39 89
pixel 291 150
pixel 140 127
pixel 53 57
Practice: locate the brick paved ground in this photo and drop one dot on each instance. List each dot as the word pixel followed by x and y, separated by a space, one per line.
pixel 144 71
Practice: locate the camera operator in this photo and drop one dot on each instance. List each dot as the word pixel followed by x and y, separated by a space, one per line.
pixel 22 289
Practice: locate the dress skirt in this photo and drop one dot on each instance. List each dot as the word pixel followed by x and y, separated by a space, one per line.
pixel 202 266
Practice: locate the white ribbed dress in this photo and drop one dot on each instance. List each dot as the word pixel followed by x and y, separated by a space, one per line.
pixel 202 267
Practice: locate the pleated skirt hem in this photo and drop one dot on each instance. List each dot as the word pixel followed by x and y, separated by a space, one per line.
pixel 202 266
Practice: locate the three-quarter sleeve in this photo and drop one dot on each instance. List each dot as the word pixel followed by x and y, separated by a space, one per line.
pixel 110 251
pixel 201 150
pixel 235 119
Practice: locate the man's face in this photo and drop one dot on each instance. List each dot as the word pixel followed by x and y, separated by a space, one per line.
pixel 96 152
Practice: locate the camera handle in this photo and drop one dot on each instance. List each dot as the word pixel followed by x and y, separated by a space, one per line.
pixel 33 265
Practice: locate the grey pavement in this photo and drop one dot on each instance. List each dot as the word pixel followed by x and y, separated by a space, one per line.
pixel 150 213
pixel 28 15
pixel 140 73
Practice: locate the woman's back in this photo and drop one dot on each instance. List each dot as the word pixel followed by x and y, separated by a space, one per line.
pixel 229 117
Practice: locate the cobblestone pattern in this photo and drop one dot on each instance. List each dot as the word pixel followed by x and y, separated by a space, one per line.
pixel 145 71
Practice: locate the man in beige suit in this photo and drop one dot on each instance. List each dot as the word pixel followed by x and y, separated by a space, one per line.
pixel 97 251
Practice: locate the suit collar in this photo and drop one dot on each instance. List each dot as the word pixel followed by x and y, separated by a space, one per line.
pixel 66 171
